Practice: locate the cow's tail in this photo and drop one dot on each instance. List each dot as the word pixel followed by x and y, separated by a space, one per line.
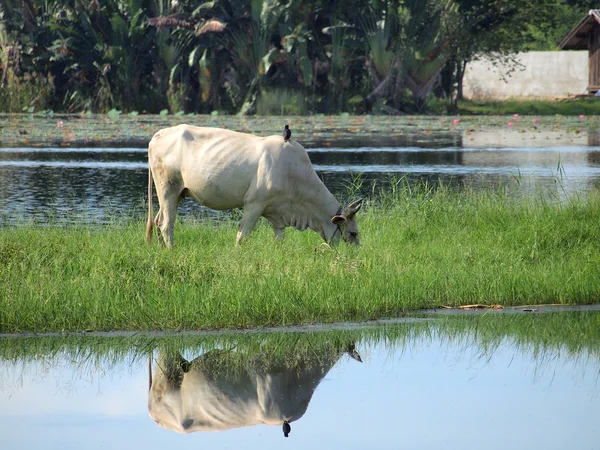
pixel 150 222
pixel 150 371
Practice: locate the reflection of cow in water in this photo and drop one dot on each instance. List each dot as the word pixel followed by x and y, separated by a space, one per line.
pixel 221 390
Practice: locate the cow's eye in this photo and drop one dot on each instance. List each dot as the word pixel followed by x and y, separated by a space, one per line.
pixel 353 234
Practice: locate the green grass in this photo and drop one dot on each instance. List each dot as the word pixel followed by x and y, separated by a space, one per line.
pixel 566 107
pixel 420 248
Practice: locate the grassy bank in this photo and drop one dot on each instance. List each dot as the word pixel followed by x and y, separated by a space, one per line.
pixel 419 249
pixel 564 107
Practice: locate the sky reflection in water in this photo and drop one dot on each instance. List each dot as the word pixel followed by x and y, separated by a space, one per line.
pixel 429 391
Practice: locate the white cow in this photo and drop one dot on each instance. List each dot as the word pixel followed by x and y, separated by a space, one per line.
pixel 217 392
pixel 223 169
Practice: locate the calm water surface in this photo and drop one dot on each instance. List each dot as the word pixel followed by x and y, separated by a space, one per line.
pixel 419 385
pixel 100 184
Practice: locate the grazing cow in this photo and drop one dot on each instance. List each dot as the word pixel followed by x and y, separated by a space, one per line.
pixel 220 390
pixel 223 169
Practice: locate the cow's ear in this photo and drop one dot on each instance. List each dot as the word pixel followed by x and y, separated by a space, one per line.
pixel 338 220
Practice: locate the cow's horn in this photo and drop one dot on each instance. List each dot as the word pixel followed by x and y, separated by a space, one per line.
pixel 354 207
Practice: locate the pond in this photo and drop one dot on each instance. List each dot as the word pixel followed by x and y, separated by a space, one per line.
pixel 526 380
pixel 102 184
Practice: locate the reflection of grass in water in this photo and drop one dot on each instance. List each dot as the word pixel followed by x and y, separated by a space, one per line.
pixel 421 247
pixel 573 336
pixel 548 338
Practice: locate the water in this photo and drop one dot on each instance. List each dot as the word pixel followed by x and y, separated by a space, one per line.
pixel 101 184
pixel 422 384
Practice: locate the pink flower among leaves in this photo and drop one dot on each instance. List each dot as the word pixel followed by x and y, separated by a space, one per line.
pixel 510 124
pixel 515 116
pixel 71 135
pixel 581 116
pixel 60 124
pixel 455 121
pixel 536 120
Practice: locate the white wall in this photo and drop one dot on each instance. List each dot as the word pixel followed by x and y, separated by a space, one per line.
pixel 545 74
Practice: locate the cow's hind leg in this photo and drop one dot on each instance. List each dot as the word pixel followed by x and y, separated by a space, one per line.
pixel 169 197
pixel 251 215
pixel 279 232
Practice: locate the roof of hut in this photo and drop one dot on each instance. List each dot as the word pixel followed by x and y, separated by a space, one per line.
pixel 577 39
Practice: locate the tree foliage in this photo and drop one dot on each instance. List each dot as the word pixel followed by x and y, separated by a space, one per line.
pixel 234 56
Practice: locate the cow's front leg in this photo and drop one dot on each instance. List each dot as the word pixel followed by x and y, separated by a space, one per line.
pixel 167 220
pixel 251 215
pixel 277 223
pixel 158 224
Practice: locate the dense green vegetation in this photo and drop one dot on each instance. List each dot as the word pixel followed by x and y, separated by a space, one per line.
pixel 421 247
pixel 260 56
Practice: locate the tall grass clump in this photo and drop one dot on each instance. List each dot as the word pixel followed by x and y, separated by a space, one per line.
pixel 421 247
pixel 280 101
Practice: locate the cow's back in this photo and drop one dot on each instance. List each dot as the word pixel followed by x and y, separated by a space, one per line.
pixel 224 169
pixel 214 166
pixel 216 394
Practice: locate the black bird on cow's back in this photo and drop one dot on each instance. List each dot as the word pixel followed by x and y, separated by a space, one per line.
pixel 286 425
pixel 287 133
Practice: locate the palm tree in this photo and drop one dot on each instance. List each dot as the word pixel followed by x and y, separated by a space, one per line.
pixel 252 50
pixel 186 44
pixel 406 49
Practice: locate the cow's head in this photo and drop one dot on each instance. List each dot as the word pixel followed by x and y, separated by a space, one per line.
pixel 346 223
